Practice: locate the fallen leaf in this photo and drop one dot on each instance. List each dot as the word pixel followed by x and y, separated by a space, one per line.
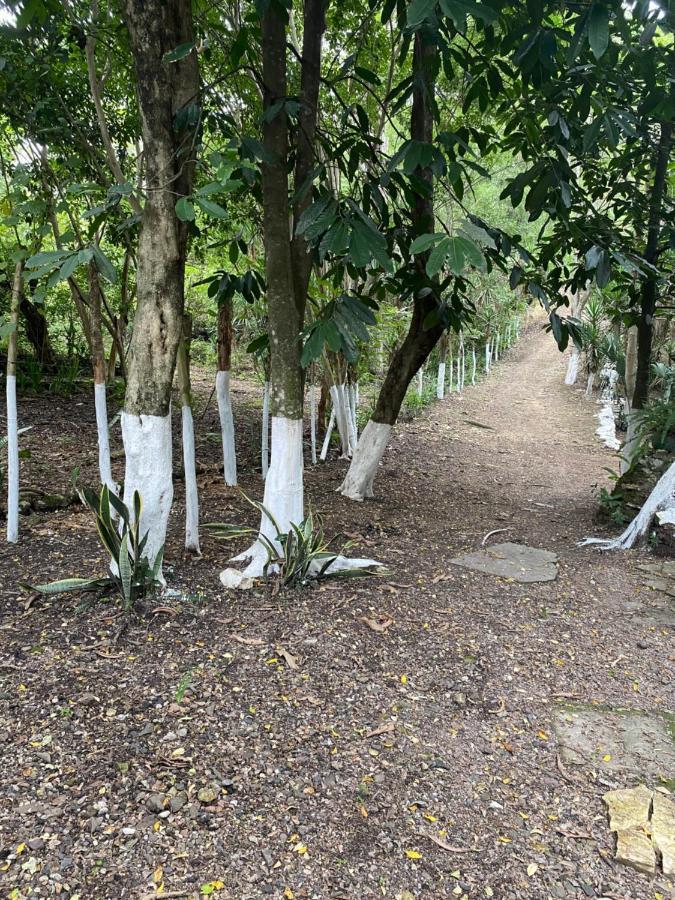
pixel 413 854
pixel 444 845
pixel 532 868
pixel 379 623
pixel 290 660
pixel 251 642
pixel 387 728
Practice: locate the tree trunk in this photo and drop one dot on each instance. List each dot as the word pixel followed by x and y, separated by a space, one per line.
pixel 188 434
pixel 165 90
pixel 12 415
pixel 442 358
pixel 223 392
pixel 37 333
pixel 649 292
pixel 99 369
pixel 418 343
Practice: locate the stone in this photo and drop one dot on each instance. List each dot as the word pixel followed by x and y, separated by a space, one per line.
pixel 663 831
pixel 508 560
pixel 178 802
pixel 208 794
pixel 634 741
pixel 635 849
pixel 628 808
pixel 155 803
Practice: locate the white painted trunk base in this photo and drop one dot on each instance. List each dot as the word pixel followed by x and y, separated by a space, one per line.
pixel 226 427
pixel 147 447
pixel 12 462
pixel 420 382
pixel 606 429
pixel 358 483
pixel 283 499
pixel 265 442
pixel 191 490
pixel 458 381
pixel 572 367
pixel 660 503
pixel 104 470
pixel 440 381
pixel 473 365
pixel 589 384
pixel 338 395
pixel 487 357
pixel 630 445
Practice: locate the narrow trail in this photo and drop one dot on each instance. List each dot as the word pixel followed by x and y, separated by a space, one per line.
pixel 396 737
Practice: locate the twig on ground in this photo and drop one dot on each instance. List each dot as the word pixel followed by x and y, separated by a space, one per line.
pixel 494 531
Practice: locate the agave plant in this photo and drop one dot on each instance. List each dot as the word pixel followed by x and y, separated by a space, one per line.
pixel 297 556
pixel 131 574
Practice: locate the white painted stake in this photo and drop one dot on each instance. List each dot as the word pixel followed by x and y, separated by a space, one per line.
pixel 264 444
pixel 226 427
pixel 312 420
pixel 104 470
pixel 327 437
pixel 12 462
pixel 440 381
pixel 147 447
pixel 358 483
pixel 191 491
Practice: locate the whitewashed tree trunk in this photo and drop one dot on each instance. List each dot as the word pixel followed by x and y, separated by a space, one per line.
pixel 589 384
pixel 188 440
pixel 224 397
pixel 572 366
pixel 473 365
pixel 440 381
pixel 265 442
pixel 458 380
pixel 660 503
pixel 420 383
pixel 338 395
pixel 358 484
pixel 223 392
pixel 104 468
pixel 487 357
pixel 12 414
pixel 312 420
pixel 352 395
pixel 149 470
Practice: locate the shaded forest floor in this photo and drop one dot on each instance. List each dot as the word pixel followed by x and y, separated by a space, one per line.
pixel 247 745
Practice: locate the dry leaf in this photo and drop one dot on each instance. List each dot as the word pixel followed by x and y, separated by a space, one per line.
pixel 379 624
pixel 381 729
pixel 444 844
pixel 251 642
pixel 290 660
pixel 413 854
pixel 532 868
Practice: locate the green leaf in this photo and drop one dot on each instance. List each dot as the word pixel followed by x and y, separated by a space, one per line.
pixel 598 29
pixel 473 255
pixel 103 265
pixel 185 210
pixel 213 209
pixel 125 569
pixel 69 266
pixel 46 258
pixel 418 11
pixel 69 585
pixel 424 241
pixel 179 52
pixel 437 257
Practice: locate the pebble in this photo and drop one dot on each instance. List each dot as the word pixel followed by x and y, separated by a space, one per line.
pixel 155 803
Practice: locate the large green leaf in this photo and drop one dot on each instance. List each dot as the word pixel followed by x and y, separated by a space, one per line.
pixel 598 29
pixel 418 11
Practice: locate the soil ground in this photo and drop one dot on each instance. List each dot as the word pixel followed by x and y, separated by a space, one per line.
pixel 334 761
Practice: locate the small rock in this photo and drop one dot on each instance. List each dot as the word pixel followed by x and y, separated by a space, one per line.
pixel 155 803
pixel 178 802
pixel 36 843
pixel 628 807
pixel 635 849
pixel 208 794
pixel 643 645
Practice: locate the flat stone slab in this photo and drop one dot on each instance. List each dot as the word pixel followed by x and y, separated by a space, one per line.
pixel 663 831
pixel 618 740
pixel 517 561
pixel 628 808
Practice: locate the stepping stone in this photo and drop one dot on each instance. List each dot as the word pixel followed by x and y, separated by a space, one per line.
pixel 517 561
pixel 618 740
pixel 663 831
pixel 644 822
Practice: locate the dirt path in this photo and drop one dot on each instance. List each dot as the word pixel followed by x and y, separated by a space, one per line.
pixel 422 762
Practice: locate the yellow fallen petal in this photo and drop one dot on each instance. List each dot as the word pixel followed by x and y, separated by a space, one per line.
pixel 413 854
